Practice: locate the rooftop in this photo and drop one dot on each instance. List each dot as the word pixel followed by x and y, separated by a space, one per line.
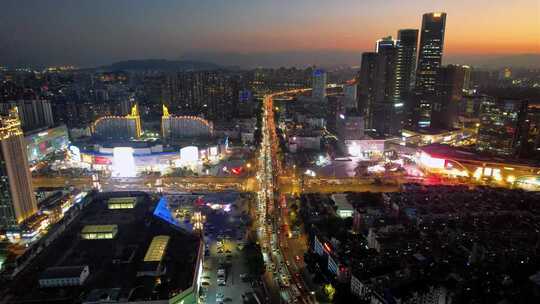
pixel 99 229
pixel 448 152
pixel 157 248
pixel 62 272
pixel 114 263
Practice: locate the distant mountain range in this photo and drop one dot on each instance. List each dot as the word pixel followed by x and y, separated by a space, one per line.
pixel 326 58
pixel 233 61
pixel 161 65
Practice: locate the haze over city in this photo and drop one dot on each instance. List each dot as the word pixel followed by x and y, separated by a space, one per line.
pixel 251 33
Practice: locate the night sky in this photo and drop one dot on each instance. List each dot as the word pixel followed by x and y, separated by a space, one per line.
pixel 94 32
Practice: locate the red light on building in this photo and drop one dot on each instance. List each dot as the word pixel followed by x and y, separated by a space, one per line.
pixel 327 247
pixel 237 170
pixel 101 160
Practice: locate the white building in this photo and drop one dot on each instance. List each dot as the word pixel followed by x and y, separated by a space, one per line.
pixel 344 208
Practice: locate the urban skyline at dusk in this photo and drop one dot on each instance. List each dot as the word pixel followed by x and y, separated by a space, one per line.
pixel 100 32
pixel 270 152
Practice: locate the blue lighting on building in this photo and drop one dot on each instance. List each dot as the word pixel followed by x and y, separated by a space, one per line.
pixel 163 212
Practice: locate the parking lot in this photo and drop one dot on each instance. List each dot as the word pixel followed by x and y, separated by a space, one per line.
pixel 224 236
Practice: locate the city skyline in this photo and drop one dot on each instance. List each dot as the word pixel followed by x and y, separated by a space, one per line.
pixel 92 34
pixel 301 152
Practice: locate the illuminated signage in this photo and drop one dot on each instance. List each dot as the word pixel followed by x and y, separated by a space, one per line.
pixel 123 162
pixel 189 154
pixel 86 158
pixel 75 153
pixel 431 162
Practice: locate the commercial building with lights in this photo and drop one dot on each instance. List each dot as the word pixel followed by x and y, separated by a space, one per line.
pixel 460 163
pixel 426 136
pixel 127 159
pixel 119 127
pixel 181 127
pixel 43 143
pixel 137 254
pixel 502 127
pixel 17 199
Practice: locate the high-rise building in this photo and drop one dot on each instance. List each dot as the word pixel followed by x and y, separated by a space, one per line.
pixel 377 79
pixel 34 114
pixel 405 68
pixel 17 200
pixel 430 52
pixel 370 84
pixel 429 61
pixel 350 94
pixel 387 111
pixel 319 84
pixel 214 94
pixel 449 92
pixel 467 81
pixel 502 127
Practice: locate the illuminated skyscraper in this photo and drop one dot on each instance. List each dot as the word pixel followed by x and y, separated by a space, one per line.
pixel 429 61
pixel 405 67
pixel 319 84
pixel 17 200
pixel 502 126
pixel 377 80
pixel 430 52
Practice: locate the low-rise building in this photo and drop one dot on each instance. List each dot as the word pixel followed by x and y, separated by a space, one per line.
pixel 63 276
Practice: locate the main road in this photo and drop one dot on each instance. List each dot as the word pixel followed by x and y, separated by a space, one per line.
pixel 287 183
pixel 279 277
